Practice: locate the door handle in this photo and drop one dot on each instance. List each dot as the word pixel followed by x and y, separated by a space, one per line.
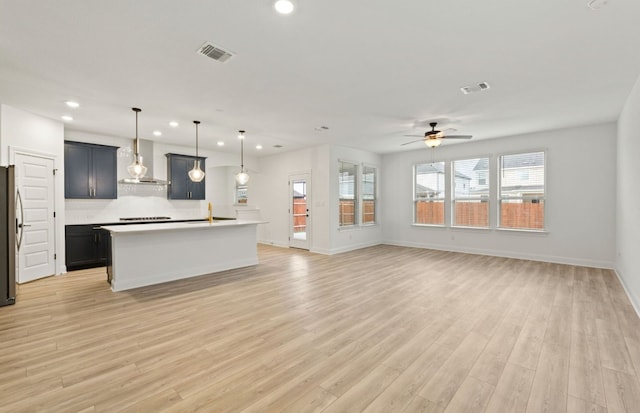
pixel 20 225
pixel 23 225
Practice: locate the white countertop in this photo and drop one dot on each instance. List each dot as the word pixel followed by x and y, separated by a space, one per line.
pixel 173 226
pixel 104 221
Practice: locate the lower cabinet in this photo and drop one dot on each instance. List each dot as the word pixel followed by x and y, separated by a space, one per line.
pixel 87 246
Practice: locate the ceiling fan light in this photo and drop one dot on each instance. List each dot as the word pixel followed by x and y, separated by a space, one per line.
pixel 432 142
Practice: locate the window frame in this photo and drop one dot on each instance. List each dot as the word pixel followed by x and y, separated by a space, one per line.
pixel 487 199
pixel 443 198
pixel 363 166
pixel 500 198
pixel 356 191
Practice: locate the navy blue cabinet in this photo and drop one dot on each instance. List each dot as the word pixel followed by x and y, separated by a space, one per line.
pixel 90 171
pixel 180 186
pixel 87 246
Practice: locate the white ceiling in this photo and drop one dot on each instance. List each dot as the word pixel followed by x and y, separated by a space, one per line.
pixel 369 70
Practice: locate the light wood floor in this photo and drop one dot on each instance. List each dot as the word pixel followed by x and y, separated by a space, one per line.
pixel 383 329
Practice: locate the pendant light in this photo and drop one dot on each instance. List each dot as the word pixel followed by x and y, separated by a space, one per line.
pixel 136 169
pixel 196 174
pixel 242 178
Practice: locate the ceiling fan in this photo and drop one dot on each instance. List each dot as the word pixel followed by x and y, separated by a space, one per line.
pixel 433 138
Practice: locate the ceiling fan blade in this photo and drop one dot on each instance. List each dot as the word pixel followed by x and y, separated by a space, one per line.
pixel 415 136
pixel 417 140
pixel 456 137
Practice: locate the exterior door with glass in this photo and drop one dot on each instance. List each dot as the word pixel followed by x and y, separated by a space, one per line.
pixel 299 209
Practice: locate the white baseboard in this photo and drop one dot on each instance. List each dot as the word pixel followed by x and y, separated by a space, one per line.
pixel 509 254
pixel 273 243
pixel 324 251
pixel 353 247
pixel 635 303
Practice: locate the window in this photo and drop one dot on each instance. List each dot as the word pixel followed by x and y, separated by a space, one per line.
pixel 347 193
pixel 482 177
pixel 522 192
pixel 471 193
pixel 429 193
pixel 241 194
pixel 368 195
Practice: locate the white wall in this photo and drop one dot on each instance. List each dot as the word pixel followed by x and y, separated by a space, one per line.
pixel 627 263
pixel 25 131
pixel 581 193
pixel 270 191
pixel 272 194
pixel 148 200
pixel 580 206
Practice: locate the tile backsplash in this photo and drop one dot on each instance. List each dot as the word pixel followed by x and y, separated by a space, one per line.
pixel 133 201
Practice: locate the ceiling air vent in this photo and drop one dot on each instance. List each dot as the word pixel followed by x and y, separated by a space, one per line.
pixel 475 88
pixel 215 52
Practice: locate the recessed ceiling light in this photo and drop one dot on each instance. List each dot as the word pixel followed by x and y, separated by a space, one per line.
pixel 277 146
pixel 157 133
pixel 72 104
pixel 283 6
pixel 66 118
pixel 220 143
pixel 258 147
pixel 597 4
pixel 173 124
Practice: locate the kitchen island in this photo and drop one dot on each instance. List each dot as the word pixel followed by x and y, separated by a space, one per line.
pixel 148 254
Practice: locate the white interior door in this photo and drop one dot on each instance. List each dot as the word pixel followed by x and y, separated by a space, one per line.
pixel 299 209
pixel 35 183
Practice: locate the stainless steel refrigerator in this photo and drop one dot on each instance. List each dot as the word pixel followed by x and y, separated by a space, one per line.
pixel 8 235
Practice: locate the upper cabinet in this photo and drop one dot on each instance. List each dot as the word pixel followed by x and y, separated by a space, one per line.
pixel 90 171
pixel 180 186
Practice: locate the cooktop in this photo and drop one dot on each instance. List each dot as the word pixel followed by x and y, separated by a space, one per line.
pixel 146 219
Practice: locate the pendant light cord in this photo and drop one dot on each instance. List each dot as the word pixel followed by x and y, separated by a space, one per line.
pixel 241 136
pixel 197 122
pixel 136 145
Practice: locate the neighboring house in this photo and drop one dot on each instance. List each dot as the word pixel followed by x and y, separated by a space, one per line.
pixel 425 192
pixel 430 181
pixel 346 185
pixel 520 175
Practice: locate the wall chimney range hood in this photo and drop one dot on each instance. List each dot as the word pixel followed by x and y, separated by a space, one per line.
pixel 146 152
